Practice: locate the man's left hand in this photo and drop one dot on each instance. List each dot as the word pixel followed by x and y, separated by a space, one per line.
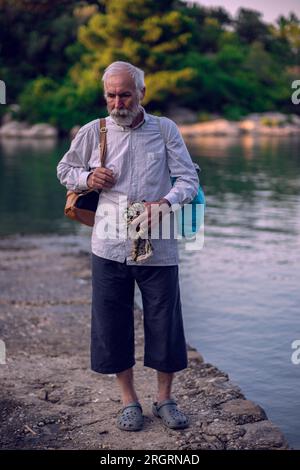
pixel 155 211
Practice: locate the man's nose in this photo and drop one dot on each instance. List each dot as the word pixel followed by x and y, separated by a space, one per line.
pixel 118 102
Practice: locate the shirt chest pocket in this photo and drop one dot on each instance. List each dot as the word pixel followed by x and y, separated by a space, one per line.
pixel 154 166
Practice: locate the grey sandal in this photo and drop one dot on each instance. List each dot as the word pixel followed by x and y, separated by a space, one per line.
pixel 131 417
pixel 170 415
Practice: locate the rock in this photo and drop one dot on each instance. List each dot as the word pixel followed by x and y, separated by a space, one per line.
pixel 22 129
pixel 242 411
pixel 263 435
pixel 182 115
pixel 49 420
pixel 278 131
pixel 274 116
pixel 43 394
pixel 54 397
pixel 269 123
pixel 40 131
pixel 13 128
pixel 213 442
pixel 215 127
pixel 223 430
pixel 248 126
pixel 7 117
pixel 295 119
pixel 194 355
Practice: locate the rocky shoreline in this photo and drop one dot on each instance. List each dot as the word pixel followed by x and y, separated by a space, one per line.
pixel 50 399
pixel 257 124
pixel 16 129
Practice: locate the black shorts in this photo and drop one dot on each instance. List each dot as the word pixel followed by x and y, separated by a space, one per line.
pixel 112 329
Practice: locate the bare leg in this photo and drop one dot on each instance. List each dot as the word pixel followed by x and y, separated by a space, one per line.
pixel 164 383
pixel 125 381
pixel 171 416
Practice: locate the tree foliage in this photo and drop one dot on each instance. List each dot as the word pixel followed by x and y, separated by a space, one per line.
pixel 52 56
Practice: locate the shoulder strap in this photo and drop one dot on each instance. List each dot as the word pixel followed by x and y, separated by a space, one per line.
pixel 103 143
pixel 197 167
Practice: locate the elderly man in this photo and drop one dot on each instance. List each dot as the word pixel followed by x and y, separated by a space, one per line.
pixel 143 151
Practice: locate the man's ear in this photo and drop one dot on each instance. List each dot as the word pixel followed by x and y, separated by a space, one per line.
pixel 142 93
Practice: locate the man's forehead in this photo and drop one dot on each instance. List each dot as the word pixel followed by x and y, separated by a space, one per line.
pixel 120 82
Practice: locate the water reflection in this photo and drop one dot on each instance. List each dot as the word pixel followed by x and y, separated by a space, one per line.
pixel 32 199
pixel 242 177
pixel 9 146
pixel 246 145
pixel 241 292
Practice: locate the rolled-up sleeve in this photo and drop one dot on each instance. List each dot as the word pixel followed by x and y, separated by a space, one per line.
pixel 73 169
pixel 180 165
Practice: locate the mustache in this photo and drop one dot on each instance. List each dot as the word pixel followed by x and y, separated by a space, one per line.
pixel 120 112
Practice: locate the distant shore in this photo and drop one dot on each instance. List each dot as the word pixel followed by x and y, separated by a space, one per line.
pixel 264 124
pixel 256 124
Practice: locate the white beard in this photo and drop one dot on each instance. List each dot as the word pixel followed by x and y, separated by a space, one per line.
pixel 124 117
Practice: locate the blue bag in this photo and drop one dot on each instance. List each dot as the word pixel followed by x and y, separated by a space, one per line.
pixel 190 218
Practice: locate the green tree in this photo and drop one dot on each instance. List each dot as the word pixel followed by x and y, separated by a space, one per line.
pixel 62 105
pixel 153 35
pixel 289 30
pixel 194 56
pixel 250 27
pixel 36 39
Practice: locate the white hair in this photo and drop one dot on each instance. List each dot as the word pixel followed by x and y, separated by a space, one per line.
pixel 118 67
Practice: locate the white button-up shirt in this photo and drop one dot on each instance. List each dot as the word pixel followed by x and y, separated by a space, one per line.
pixel 142 159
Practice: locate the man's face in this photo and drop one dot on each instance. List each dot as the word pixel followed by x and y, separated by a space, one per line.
pixel 122 98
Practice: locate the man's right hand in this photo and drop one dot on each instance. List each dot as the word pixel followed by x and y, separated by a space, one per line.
pixel 101 178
